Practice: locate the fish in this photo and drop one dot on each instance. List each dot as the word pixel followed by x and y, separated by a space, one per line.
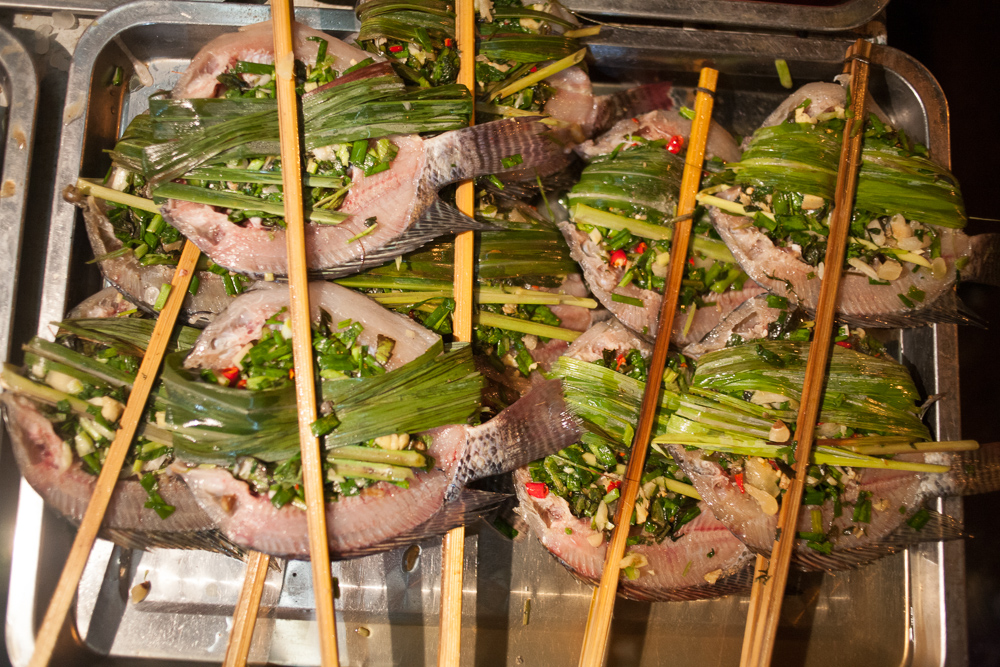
pixel 384 516
pixel 255 43
pixel 108 302
pixel 603 279
pixel 142 284
pixel 896 496
pixel 681 570
pixel 750 321
pixel 390 213
pixel 705 561
pixel 574 102
pixel 48 464
pixel 575 318
pixel 782 271
pixel 221 343
pixel 660 124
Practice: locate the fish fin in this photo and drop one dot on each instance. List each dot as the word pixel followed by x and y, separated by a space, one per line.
pixel 519 148
pixel 939 528
pixel 977 471
pixel 536 425
pixel 439 219
pixel 471 504
pixel 631 102
pixel 984 260
pixel 947 309
pixel 203 540
pixel 732 584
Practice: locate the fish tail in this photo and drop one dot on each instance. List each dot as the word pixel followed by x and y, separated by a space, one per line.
pixel 977 471
pixel 735 583
pixel 519 148
pixel 984 260
pixel 468 506
pixel 438 219
pixel 632 102
pixel 938 528
pixel 537 425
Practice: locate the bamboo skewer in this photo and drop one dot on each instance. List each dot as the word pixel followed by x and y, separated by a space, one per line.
pixel 65 590
pixel 769 589
pixel 598 628
pixel 453 544
pixel 245 616
pixel 298 284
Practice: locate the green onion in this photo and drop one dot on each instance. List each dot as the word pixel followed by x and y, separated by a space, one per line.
pixel 784 75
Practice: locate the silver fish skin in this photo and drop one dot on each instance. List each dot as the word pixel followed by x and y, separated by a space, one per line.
pixel 660 124
pixel 255 43
pixel 402 200
pixel 607 335
pixel 895 496
pixel 749 321
pixel 781 271
pixel 243 322
pixel 538 423
pixel 49 465
pixel 142 284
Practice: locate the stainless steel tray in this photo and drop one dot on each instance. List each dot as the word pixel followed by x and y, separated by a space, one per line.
pixel 18 96
pixel 775 15
pixel 902 610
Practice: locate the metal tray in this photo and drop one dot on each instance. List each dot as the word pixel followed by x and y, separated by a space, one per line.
pixel 903 610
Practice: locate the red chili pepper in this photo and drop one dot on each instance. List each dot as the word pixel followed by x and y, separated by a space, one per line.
pixel 230 373
pixel 242 384
pixel 620 361
pixel 641 248
pixel 448 41
pixel 534 68
pixel 395 48
pixel 291 373
pixel 537 489
pixel 844 343
pixel 676 144
pixel 691 261
pixel 618 259
pixel 738 478
pixel 614 485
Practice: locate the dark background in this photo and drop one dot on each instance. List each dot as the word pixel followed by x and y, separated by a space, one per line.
pixel 958 43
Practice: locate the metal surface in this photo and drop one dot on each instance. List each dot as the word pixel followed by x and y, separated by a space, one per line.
pixel 19 97
pixel 764 15
pixel 775 15
pixel 904 610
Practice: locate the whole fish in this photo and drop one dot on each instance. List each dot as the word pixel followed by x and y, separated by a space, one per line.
pixel 870 295
pixel 385 516
pixel 48 464
pixel 603 278
pixel 705 560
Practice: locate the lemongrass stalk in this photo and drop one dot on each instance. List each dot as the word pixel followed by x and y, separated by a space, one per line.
pixel 404 457
pixel 489 296
pixel 888 464
pixel 87 187
pixel 514 112
pixel 524 326
pixel 725 205
pixel 239 201
pixel 263 177
pixel 906 448
pixel 374 471
pixel 680 487
pixel 16 383
pixel 583 32
pixel 542 73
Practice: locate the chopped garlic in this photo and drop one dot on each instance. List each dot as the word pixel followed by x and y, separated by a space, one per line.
pixel 766 398
pixel 939 268
pixel 595 539
pixel 768 503
pixel 713 576
pixel 890 270
pixel 802 117
pixel 779 432
pixel 530 341
pixel 812 202
pixel 531 24
pixel 396 441
pixel 64 383
pixel 110 408
pixel 900 228
pixel 633 559
pixel 911 243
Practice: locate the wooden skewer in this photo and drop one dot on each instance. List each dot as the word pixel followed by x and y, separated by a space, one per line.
pixel 245 616
pixel 595 642
pixel 453 545
pixel 769 590
pixel 59 606
pixel 298 284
